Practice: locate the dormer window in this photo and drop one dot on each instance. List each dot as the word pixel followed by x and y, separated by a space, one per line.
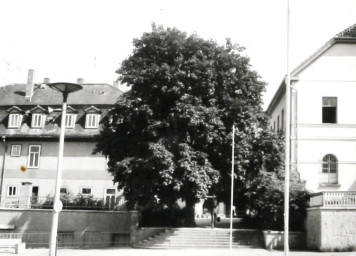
pixel 92 117
pixel 92 121
pixel 14 120
pixel 70 120
pixel 71 117
pixel 15 117
pixel 38 119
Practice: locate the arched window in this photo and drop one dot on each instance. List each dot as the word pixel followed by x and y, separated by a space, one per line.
pixel 330 168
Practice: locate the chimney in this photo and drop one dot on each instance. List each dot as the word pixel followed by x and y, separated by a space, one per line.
pixel 80 80
pixel 30 84
pixel 115 84
pixel 46 80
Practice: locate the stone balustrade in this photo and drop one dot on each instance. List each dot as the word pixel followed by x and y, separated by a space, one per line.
pixel 333 199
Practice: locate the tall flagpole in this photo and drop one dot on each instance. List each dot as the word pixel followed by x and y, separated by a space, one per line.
pixel 287 149
pixel 232 185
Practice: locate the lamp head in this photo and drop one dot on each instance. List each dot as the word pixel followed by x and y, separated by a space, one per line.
pixel 65 88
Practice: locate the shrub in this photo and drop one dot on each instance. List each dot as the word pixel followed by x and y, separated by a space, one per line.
pixel 79 202
pixel 266 203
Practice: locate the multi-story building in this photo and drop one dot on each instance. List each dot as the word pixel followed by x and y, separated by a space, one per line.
pixel 323 125
pixel 323 139
pixel 30 122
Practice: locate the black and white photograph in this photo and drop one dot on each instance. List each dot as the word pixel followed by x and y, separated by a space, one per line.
pixel 147 128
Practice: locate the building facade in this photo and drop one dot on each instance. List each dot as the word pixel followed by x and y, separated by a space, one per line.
pixel 323 125
pixel 30 122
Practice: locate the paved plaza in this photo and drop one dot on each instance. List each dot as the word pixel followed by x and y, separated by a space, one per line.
pixel 181 252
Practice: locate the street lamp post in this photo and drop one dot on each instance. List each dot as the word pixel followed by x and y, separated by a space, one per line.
pixel 287 143
pixel 65 89
pixel 232 186
pixel 3 168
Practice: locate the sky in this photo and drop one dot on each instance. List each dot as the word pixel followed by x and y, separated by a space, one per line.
pixel 69 39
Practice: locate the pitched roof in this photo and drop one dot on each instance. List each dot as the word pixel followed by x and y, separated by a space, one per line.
pixel 91 94
pixel 92 109
pixel 38 109
pixel 346 36
pixel 14 109
pixel 103 96
pixel 350 32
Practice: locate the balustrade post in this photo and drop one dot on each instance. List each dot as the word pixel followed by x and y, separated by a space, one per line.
pixel 323 199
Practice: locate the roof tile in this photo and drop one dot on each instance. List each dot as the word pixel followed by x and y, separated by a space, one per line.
pixel 101 96
pixel 350 32
pixel 91 94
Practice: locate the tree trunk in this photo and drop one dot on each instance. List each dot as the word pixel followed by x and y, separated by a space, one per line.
pixel 189 216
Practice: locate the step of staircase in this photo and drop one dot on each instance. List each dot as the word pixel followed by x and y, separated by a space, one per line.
pixel 180 238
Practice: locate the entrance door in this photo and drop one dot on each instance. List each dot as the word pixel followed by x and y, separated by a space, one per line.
pixel 109 198
pixel 34 197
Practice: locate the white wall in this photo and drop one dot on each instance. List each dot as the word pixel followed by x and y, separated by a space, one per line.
pixel 80 168
pixel 331 229
pixel 278 113
pixel 331 75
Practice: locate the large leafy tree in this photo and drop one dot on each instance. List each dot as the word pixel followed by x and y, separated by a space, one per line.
pixel 169 137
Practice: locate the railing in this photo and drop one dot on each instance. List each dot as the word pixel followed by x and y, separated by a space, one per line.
pixel 80 202
pixel 334 199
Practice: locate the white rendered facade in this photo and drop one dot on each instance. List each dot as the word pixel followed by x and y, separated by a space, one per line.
pixel 323 151
pixel 29 132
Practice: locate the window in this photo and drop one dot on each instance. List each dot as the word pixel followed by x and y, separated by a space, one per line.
pixel 70 120
pixel 34 152
pixel 120 120
pixel 37 120
pixel 282 120
pixel 16 150
pixel 92 121
pixel 110 191
pixel 14 120
pixel 329 110
pixel 330 166
pixel 274 126
pixel 86 191
pixel 34 197
pixel 63 191
pixel 38 117
pixel 92 117
pixel 278 123
pixel 109 198
pixel 11 191
pixel 15 117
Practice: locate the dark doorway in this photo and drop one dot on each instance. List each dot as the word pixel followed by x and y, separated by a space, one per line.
pixel 34 198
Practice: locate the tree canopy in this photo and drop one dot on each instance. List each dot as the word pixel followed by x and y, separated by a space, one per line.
pixel 169 137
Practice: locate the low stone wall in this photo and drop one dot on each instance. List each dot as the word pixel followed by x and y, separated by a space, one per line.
pixel 331 228
pixel 75 227
pixel 275 239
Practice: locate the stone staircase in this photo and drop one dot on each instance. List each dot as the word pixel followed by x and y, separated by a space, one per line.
pixel 203 238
